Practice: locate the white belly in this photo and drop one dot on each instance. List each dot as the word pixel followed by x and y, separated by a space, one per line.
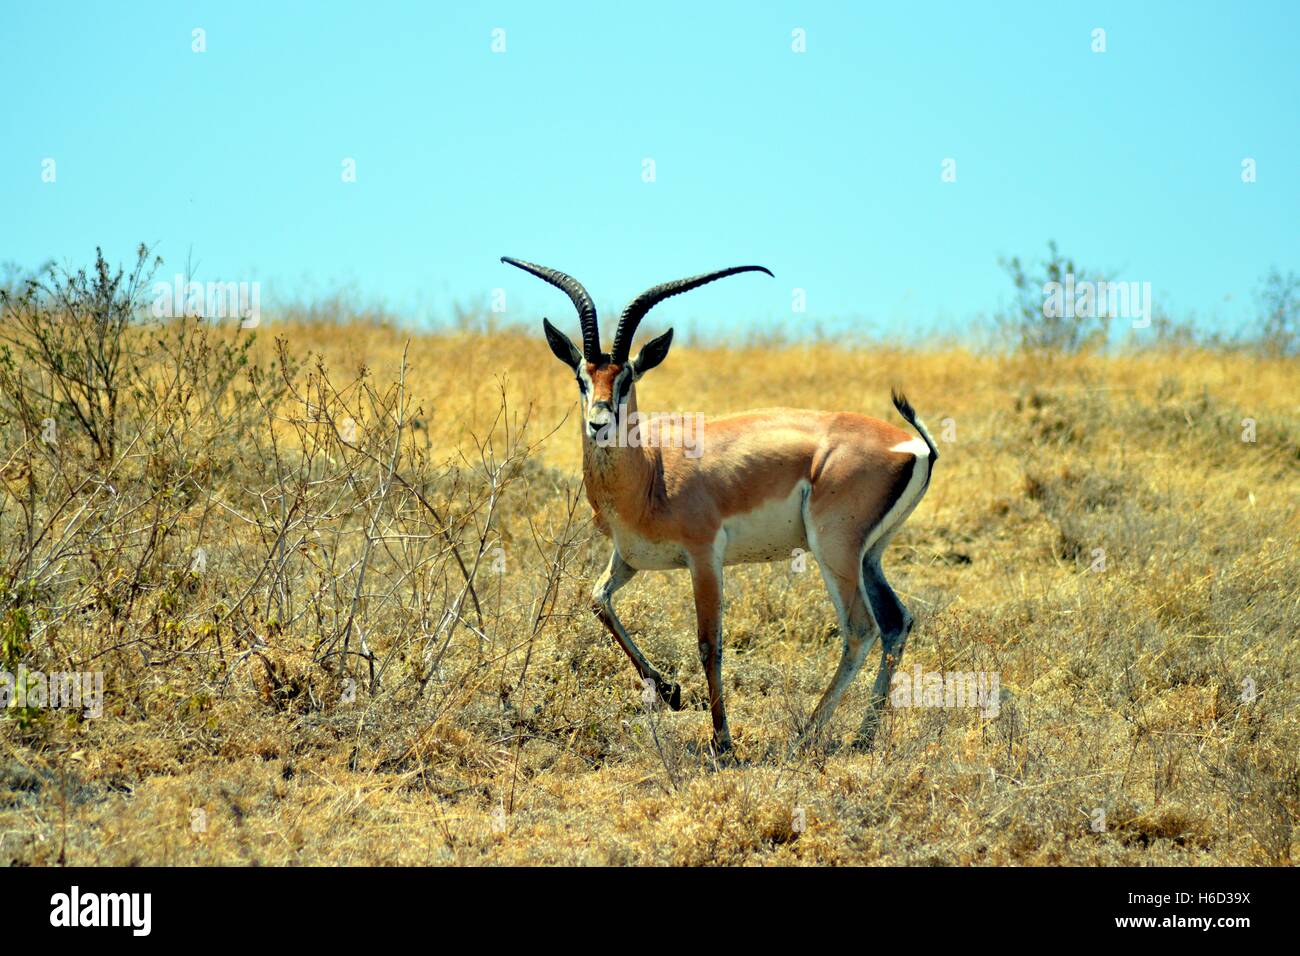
pixel 644 554
pixel 770 532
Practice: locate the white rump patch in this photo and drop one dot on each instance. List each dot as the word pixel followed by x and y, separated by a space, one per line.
pixel 915 446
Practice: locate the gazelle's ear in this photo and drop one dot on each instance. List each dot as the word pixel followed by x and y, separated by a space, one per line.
pixel 652 353
pixel 562 345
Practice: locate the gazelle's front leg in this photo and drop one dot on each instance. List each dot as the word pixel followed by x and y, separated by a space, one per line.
pixel 617 573
pixel 706 577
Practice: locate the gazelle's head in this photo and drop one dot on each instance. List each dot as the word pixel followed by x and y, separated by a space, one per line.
pixel 607 380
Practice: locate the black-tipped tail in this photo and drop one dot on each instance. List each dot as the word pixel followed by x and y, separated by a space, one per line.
pixel 905 409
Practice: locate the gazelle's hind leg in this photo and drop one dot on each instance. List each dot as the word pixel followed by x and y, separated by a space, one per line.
pixel 856 506
pixel 895 623
pixel 838 559
pixel 838 518
pixel 617 573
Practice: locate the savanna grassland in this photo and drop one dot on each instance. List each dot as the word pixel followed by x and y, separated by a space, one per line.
pixel 340 603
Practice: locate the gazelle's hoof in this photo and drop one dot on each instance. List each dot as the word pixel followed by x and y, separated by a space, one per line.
pixel 724 752
pixel 810 737
pixel 865 740
pixel 672 695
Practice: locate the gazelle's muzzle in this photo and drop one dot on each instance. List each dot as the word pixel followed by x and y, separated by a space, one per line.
pixel 600 419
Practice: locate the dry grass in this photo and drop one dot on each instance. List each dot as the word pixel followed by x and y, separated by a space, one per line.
pixel 517 734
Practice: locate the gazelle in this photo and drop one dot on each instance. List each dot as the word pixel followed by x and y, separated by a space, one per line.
pixel 767 482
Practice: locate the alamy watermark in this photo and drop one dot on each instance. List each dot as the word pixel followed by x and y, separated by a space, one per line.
pixel 1087 299
pixel 75 908
pixel 919 688
pixel 64 690
pixel 212 300
pixel 684 430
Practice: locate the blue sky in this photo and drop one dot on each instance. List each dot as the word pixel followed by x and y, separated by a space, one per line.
pixel 824 165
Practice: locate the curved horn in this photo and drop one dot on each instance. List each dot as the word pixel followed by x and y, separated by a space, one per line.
pixel 647 300
pixel 581 301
